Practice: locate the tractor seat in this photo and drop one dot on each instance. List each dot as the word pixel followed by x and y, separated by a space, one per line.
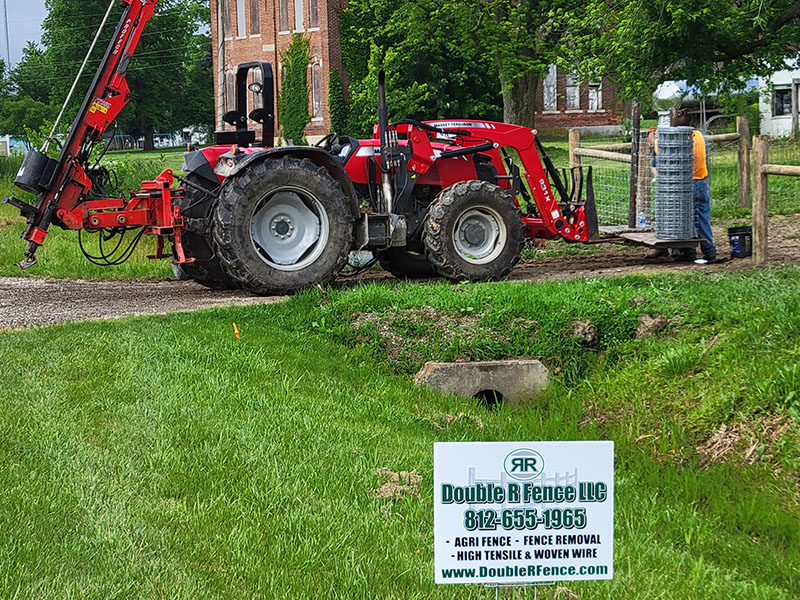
pixel 235 118
pixel 260 115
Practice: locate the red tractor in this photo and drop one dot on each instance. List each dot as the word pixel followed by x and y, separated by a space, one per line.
pixel 448 198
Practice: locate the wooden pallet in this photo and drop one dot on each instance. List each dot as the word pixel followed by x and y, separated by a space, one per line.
pixel 648 238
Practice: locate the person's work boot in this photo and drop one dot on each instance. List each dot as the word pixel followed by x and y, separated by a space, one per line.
pixel 657 253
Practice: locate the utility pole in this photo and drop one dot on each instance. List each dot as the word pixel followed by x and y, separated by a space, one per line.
pixel 8 63
pixel 8 44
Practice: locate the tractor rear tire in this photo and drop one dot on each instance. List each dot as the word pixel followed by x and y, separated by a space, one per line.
pixel 406 264
pixel 282 225
pixel 473 232
pixel 197 208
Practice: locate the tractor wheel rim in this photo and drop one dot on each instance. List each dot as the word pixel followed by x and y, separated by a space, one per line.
pixel 479 235
pixel 289 229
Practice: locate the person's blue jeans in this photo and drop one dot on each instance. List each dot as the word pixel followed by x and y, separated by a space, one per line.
pixel 702 220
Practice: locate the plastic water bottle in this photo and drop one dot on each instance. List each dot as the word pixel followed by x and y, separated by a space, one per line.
pixel 642 220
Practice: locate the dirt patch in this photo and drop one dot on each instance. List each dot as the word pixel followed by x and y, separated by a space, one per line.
pixel 566 594
pixel 750 441
pixel 724 441
pixel 616 258
pixel 446 420
pixel 399 485
pixel 586 332
pixel 26 302
pixel 651 325
pixel 402 329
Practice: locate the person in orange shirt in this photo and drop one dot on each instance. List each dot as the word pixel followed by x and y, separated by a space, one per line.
pixel 702 201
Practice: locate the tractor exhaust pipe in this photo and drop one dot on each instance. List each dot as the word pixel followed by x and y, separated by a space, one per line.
pixel 383 132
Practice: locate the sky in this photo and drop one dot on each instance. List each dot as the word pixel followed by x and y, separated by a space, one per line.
pixel 24 23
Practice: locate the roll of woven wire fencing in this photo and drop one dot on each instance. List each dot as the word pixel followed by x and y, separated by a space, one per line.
pixel 674 185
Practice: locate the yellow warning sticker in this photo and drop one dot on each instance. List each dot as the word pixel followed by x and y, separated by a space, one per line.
pixel 99 105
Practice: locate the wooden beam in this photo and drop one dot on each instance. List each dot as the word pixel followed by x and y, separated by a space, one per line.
pixel 635 122
pixel 643 182
pixel 574 145
pixel 724 137
pixel 790 170
pixel 760 214
pixel 743 130
pixel 592 153
pixel 613 147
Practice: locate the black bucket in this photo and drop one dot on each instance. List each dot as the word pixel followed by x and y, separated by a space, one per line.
pixel 741 241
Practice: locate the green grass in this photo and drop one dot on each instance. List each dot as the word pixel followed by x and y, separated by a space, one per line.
pixel 162 457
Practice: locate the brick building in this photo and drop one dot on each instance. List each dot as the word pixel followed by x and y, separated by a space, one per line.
pixel 566 101
pixel 246 30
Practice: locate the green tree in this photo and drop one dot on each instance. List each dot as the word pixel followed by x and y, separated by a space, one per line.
pixel 714 44
pixel 517 39
pixel 430 73
pixel 293 100
pixel 158 73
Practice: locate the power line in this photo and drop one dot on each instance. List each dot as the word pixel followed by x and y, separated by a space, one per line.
pixel 27 68
pixel 131 69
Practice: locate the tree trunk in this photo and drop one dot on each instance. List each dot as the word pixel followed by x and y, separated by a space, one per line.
pixel 519 99
pixel 149 144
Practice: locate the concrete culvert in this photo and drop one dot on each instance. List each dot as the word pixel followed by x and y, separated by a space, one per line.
pixel 513 381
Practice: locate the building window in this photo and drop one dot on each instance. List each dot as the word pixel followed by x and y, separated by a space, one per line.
pixel 316 90
pixel 241 29
pixel 255 25
pixel 298 15
pixel 283 17
pixel 573 93
pixel 313 14
pixel 783 102
pixel 225 7
pixel 595 96
pixel 550 102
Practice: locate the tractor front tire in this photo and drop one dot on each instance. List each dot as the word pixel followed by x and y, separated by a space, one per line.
pixel 406 264
pixel 282 225
pixel 473 232
pixel 197 209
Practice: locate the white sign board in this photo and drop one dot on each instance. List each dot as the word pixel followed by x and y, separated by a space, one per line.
pixel 523 512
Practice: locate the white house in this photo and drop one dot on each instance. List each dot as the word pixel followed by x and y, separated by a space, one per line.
pixel 778 103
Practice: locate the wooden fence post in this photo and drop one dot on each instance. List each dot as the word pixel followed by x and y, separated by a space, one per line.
pixel 743 129
pixel 760 214
pixel 643 184
pixel 574 143
pixel 636 119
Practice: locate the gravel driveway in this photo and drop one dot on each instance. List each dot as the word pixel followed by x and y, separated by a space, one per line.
pixel 27 301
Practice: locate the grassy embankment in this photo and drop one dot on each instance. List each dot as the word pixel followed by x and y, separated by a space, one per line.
pixel 162 457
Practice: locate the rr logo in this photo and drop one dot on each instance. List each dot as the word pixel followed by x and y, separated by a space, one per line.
pixel 524 464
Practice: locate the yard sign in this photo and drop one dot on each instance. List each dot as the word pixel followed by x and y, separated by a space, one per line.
pixel 523 512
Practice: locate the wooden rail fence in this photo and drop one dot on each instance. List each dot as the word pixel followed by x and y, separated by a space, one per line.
pixel 762 168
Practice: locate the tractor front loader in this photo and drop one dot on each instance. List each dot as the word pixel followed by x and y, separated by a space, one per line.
pixel 449 198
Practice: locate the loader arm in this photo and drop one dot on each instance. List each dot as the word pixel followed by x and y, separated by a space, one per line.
pixel 569 214
pixel 64 183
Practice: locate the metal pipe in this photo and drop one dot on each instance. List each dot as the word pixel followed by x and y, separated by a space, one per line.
pixel 383 132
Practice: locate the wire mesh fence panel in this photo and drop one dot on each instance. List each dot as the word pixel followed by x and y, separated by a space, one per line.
pixel 784 192
pixel 723 176
pixel 612 193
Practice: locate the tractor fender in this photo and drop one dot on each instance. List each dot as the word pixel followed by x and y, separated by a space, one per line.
pixel 318 156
